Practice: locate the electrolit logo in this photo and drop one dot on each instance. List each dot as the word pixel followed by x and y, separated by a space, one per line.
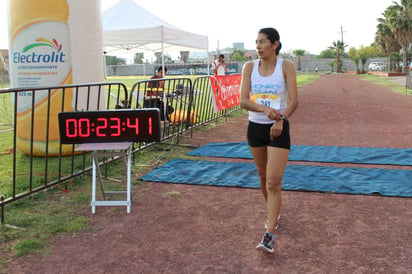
pixel 56 56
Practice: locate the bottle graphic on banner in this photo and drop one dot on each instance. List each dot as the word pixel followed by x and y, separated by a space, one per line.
pixel 40 56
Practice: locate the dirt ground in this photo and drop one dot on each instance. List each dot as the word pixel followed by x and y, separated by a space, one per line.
pixel 208 229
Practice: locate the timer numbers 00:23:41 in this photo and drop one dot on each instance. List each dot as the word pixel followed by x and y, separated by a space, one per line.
pixel 103 127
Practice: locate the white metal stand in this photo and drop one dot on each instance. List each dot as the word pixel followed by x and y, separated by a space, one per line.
pixel 122 150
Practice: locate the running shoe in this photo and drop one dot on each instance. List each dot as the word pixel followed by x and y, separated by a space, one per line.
pixel 276 226
pixel 267 243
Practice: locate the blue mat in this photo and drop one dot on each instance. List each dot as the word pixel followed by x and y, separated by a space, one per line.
pixel 329 154
pixel 386 182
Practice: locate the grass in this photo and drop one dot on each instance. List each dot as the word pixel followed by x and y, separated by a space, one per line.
pixel 387 82
pixel 32 221
pixel 39 175
pixel 303 79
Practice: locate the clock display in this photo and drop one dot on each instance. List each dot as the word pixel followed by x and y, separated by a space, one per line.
pixel 109 126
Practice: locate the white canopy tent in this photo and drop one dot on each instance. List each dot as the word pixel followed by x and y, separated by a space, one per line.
pixel 128 26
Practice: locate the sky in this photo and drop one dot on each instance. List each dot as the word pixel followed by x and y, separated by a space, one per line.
pixel 302 24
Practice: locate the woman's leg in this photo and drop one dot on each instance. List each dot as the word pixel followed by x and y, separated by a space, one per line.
pixel 260 157
pixel 277 159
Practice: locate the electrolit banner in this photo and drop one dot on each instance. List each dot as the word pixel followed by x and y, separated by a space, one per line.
pixel 40 58
pixel 52 43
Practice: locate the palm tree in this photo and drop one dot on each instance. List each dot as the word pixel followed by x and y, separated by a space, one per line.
pixel 299 53
pixel 363 57
pixel 331 64
pixel 401 22
pixel 395 59
pixel 354 55
pixel 384 37
pixel 398 19
pixel 339 47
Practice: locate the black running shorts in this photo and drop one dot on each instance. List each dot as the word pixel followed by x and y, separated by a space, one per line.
pixel 258 135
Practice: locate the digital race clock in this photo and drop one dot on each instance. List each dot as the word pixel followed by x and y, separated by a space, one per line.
pixel 139 125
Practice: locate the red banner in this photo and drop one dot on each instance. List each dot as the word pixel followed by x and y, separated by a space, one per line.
pixel 226 91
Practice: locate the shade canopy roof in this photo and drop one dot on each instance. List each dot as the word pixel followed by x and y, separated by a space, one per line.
pixel 128 26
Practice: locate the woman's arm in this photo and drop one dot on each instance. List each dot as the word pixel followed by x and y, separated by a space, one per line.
pixel 292 88
pixel 245 86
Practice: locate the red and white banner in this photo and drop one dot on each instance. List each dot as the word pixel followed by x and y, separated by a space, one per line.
pixel 226 91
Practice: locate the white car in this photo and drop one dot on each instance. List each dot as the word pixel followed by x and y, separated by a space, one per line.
pixel 377 66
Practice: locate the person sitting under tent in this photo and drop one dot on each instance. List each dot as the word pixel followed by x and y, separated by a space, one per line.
pixel 154 94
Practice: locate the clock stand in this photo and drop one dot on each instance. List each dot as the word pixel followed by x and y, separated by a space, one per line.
pixel 121 150
pixel 109 133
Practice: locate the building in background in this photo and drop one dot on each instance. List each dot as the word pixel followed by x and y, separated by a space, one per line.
pixel 239 45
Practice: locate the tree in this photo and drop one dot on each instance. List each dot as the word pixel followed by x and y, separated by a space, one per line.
pixel 331 65
pixel 158 56
pixel 339 47
pixel 363 58
pixel 384 37
pixel 365 53
pixel 3 67
pixel 397 21
pixel 114 60
pixel 184 56
pixel 354 56
pixel 138 58
pixel 238 55
pixel 299 53
pixel 395 59
pixel 327 53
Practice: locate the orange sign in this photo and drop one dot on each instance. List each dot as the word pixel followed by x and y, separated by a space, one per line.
pixel 226 91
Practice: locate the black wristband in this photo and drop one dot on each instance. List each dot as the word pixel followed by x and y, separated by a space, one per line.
pixel 283 117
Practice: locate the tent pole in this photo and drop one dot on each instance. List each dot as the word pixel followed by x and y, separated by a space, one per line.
pixel 208 61
pixel 164 74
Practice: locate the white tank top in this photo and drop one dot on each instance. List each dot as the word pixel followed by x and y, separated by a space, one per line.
pixel 270 91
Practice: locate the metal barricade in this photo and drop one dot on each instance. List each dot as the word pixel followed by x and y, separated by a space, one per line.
pixel 29 173
pixel 205 99
pixel 174 99
pixel 192 104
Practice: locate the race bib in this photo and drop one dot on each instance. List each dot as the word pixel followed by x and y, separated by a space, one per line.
pixel 269 100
